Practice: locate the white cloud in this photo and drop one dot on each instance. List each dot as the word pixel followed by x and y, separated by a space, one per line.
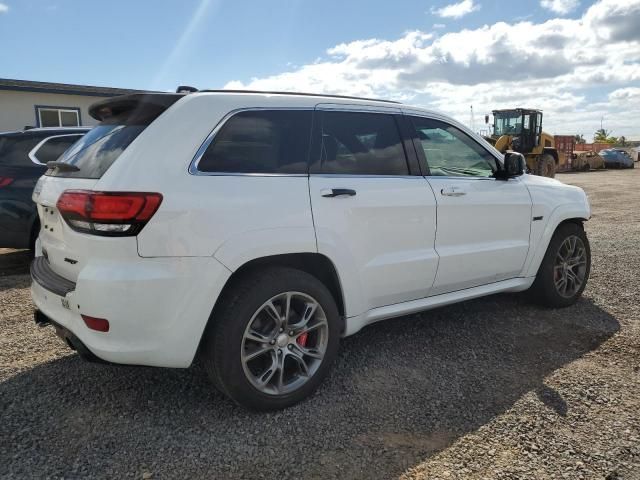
pixel 4 8
pixel 456 10
pixel 438 26
pixel 560 6
pixel 556 66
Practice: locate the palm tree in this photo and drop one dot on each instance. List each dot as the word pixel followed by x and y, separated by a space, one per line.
pixel 579 138
pixel 601 136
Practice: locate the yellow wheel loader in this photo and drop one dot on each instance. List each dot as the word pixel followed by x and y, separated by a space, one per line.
pixel 520 130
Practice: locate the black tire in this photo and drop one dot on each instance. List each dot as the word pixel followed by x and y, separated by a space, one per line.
pixel 546 166
pixel 223 339
pixel 544 290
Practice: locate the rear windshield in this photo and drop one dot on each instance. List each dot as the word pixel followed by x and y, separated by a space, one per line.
pixel 94 153
pixel 123 119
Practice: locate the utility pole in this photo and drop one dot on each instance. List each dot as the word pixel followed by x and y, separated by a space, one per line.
pixel 473 121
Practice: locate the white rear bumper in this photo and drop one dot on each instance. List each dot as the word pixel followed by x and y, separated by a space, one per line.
pixel 157 308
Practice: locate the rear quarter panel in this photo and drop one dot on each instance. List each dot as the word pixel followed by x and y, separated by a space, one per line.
pixel 236 217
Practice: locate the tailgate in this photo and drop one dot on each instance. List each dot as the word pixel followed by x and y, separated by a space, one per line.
pixel 66 250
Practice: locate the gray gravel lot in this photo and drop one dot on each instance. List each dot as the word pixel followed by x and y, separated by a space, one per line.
pixel 492 388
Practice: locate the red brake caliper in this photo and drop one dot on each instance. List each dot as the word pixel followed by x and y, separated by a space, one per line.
pixel 302 339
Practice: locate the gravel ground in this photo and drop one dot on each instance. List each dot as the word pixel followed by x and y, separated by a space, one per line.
pixel 492 388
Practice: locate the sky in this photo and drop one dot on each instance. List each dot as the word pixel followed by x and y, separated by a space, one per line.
pixel 577 61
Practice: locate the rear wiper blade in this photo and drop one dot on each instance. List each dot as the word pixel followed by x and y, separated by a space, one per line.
pixel 63 166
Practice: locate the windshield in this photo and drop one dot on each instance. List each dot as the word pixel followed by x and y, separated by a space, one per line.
pixel 507 123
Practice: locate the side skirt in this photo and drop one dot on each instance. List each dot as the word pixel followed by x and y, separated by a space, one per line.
pixel 354 324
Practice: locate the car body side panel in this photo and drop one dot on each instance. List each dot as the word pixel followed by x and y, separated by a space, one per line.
pixel 544 234
pixel 200 213
pixel 553 203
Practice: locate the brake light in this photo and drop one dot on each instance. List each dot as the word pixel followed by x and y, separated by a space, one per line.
pixel 5 181
pixel 108 213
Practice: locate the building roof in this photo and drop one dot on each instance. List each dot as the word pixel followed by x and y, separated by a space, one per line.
pixel 63 88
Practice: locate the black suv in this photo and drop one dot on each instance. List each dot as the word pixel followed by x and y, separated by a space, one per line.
pixel 23 159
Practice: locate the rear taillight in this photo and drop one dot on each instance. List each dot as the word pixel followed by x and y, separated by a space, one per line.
pixel 115 214
pixel 5 181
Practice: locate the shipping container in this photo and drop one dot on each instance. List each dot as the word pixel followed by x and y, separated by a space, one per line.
pixel 589 147
pixel 565 145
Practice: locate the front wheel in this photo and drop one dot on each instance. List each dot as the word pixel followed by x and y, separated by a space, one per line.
pixel 563 274
pixel 546 166
pixel 272 339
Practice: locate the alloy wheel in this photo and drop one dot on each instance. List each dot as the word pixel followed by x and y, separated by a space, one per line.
pixel 284 343
pixel 570 266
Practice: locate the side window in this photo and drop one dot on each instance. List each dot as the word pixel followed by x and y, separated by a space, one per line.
pixel 14 150
pixel 361 144
pixel 261 141
pixel 450 152
pixel 52 148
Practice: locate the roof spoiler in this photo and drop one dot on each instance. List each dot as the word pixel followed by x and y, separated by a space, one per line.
pixel 142 104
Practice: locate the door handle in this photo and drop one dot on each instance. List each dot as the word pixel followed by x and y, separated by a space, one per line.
pixel 336 192
pixel 453 192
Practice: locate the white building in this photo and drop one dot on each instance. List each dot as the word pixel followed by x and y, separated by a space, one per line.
pixel 25 103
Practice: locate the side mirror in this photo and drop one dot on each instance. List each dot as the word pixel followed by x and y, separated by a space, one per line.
pixel 514 165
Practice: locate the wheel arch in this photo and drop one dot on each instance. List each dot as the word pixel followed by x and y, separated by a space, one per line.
pixel 315 264
pixel 559 217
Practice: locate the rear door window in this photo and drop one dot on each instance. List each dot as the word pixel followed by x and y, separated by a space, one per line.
pixel 260 141
pixel 356 143
pixel 51 149
pixel 15 148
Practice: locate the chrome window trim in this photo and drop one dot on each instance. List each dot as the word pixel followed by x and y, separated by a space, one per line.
pixel 361 175
pixel 193 166
pixel 32 153
pixel 461 177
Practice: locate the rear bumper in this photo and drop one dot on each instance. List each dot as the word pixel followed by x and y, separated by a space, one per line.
pixel 157 308
pixel 42 273
pixel 67 336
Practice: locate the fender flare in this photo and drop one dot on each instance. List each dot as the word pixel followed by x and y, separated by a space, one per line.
pixel 560 214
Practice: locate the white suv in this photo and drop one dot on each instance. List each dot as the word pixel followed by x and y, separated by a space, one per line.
pixel 253 230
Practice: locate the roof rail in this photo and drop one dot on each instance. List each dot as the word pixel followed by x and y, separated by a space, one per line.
pixel 304 94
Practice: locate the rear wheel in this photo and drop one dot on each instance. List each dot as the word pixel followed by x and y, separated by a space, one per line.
pixel 546 166
pixel 272 339
pixel 563 274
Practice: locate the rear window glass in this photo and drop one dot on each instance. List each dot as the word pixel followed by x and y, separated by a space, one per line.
pixel 14 149
pixel 262 141
pixel 94 153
